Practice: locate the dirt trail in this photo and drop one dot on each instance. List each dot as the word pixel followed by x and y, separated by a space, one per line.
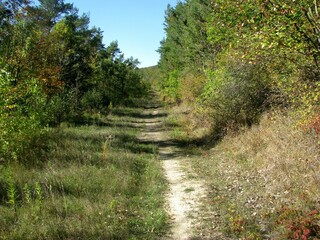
pixel 185 192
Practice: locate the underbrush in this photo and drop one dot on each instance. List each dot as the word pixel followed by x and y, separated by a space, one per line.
pixel 264 182
pixel 96 181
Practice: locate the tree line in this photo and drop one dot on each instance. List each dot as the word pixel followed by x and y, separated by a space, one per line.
pixel 233 60
pixel 53 68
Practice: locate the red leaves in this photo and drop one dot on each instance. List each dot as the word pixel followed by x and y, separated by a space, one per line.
pixel 299 225
pixel 312 124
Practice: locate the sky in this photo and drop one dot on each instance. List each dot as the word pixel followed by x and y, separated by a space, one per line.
pixel 137 25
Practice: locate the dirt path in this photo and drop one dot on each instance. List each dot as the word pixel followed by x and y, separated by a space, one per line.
pixel 185 191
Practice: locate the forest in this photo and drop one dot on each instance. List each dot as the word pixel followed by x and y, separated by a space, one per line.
pixel 54 67
pixel 239 58
pixel 240 80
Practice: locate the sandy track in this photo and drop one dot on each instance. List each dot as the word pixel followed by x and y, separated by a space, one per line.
pixel 185 192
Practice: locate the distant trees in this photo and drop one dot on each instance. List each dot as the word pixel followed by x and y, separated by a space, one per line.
pixel 185 50
pixel 53 67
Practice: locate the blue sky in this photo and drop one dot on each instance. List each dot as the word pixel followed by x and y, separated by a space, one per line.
pixel 137 25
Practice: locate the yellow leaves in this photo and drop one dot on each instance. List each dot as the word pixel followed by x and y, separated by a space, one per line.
pixel 8 107
pixel 60 28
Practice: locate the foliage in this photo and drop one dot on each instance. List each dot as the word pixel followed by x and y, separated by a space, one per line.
pixel 64 107
pixel 54 68
pixel 275 40
pixel 236 94
pixel 119 80
pixel 185 48
pixel 22 116
pixel 282 35
pixel 299 225
pixel 171 86
pixel 151 75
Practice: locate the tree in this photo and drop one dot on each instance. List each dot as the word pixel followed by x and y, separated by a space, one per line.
pixel 49 12
pixel 185 51
pixel 120 77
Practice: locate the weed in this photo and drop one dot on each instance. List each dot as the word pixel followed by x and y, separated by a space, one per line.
pixel 11 191
pixel 299 225
pixel 105 148
pixel 26 194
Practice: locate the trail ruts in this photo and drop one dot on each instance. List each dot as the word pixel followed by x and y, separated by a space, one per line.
pixel 185 192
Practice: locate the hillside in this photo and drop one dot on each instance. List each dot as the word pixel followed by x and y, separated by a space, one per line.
pixel 262 182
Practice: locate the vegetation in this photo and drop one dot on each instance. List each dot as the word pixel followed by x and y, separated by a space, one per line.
pixel 151 75
pixel 71 165
pixel 97 181
pixel 263 183
pixel 245 77
pixel 234 59
pixel 54 68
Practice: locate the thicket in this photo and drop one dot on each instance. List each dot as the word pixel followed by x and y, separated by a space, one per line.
pixel 235 59
pixel 53 68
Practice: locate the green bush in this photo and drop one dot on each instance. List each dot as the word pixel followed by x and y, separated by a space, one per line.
pixel 92 99
pixel 64 106
pixel 235 94
pixel 170 86
pixel 22 116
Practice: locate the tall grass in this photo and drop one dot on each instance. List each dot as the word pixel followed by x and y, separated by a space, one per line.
pixel 264 182
pixel 95 182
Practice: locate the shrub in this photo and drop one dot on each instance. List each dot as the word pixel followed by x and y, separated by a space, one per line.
pixel 299 225
pixel 92 99
pixel 64 106
pixel 22 116
pixel 170 86
pixel 235 94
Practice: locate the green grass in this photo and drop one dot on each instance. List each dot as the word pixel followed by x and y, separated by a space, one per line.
pixel 96 181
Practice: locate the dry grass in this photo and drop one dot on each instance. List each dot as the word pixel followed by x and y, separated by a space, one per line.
pixel 264 181
pixel 283 156
pixel 189 121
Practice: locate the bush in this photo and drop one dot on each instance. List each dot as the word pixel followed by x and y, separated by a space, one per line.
pixel 235 94
pixel 22 116
pixel 64 106
pixel 92 100
pixel 170 86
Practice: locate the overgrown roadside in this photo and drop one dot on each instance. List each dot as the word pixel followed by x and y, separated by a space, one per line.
pixel 262 181
pixel 96 181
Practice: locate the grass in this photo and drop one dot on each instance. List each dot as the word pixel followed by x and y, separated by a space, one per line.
pixel 96 181
pixel 189 189
pixel 263 182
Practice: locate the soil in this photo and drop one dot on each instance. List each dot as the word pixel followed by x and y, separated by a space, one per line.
pixel 185 190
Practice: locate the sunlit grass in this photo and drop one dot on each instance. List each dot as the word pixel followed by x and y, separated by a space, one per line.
pixel 263 182
pixel 96 182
